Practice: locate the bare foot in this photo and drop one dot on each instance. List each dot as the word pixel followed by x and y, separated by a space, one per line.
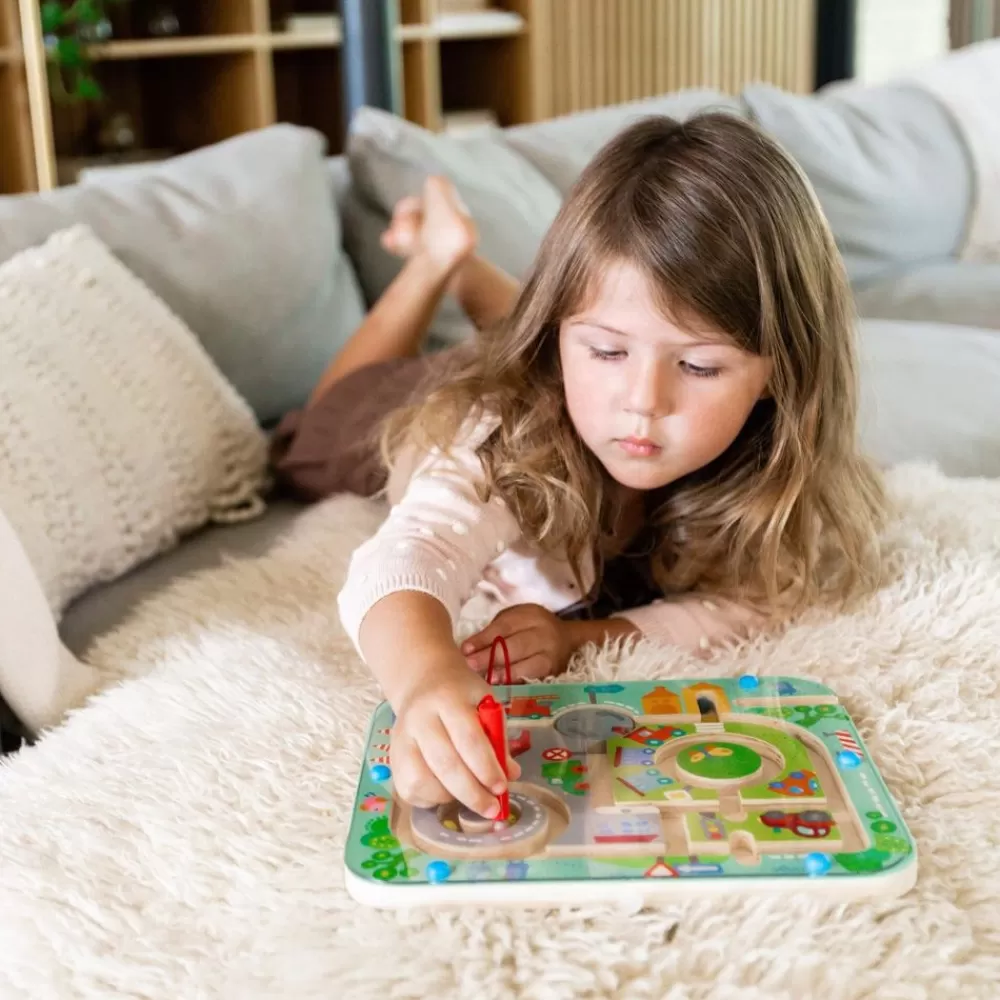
pixel 436 224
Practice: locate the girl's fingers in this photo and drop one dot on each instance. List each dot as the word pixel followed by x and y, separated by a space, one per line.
pixel 508 622
pixel 413 779
pixel 410 205
pixel 520 645
pixel 484 638
pixel 469 740
pixel 533 667
pixel 451 770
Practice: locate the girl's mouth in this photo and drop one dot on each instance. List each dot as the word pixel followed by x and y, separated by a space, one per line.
pixel 639 447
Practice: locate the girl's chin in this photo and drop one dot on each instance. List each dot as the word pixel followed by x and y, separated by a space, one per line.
pixel 636 476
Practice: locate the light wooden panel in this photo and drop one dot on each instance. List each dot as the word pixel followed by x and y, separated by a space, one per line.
pixel 422 83
pixel 37 94
pixel 603 52
pixel 265 99
pixel 17 169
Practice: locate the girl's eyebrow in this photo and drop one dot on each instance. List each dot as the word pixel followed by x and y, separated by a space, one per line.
pixel 583 321
pixel 697 339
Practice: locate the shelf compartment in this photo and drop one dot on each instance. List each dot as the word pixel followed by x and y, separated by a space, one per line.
pixel 174 104
pixel 481 74
pixel 308 91
pixel 195 19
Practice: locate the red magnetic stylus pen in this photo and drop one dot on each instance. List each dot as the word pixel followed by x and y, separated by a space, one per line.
pixel 491 717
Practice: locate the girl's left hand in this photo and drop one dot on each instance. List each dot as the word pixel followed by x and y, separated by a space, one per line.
pixel 538 642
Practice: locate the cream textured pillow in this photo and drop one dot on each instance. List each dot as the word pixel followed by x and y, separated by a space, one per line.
pixel 117 432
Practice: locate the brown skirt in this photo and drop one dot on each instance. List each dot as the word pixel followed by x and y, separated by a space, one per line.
pixel 332 446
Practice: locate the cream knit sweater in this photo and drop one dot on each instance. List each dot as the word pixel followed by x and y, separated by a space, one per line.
pixel 440 539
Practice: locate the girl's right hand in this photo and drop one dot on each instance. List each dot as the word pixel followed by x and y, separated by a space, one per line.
pixel 439 750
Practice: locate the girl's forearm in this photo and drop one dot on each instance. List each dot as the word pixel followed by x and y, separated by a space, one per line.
pixel 405 638
pixel 580 633
pixel 396 325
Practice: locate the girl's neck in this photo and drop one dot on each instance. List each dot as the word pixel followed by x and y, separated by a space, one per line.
pixel 630 507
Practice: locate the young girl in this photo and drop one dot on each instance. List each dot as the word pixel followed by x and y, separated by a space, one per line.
pixel 659 438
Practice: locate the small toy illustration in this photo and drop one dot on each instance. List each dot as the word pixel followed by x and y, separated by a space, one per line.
pixel 661 789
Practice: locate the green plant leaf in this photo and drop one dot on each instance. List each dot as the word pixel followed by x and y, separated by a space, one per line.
pixel 69 52
pixel 88 12
pixel 88 89
pixel 53 17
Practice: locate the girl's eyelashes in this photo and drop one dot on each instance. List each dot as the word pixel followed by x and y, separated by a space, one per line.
pixel 700 371
pixel 599 355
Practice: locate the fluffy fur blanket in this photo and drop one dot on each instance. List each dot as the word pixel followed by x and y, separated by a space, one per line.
pixel 181 835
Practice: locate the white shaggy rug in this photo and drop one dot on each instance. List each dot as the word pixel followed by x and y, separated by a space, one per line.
pixel 181 836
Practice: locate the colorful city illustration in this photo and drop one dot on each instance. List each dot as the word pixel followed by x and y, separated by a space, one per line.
pixel 734 778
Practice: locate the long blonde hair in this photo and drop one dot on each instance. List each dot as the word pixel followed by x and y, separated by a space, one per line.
pixel 725 227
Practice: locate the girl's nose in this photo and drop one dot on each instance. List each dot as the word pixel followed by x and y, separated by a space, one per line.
pixel 649 394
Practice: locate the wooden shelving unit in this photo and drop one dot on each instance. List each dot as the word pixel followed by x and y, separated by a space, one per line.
pixel 17 170
pixel 234 66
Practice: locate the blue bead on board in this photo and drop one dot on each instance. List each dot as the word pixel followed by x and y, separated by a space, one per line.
pixel 437 871
pixel 817 864
pixel 748 682
pixel 848 759
pixel 381 773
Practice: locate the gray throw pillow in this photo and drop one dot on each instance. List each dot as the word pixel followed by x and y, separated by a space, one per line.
pixel 512 203
pixel 562 147
pixel 889 168
pixel 241 240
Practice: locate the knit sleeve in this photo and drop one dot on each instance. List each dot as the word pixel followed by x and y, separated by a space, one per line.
pixel 695 622
pixel 437 539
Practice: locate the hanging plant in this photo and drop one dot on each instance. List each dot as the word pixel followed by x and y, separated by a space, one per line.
pixel 69 28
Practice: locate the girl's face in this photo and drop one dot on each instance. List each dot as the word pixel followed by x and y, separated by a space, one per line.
pixel 652 400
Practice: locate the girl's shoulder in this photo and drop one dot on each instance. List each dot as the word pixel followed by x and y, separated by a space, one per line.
pixel 413 461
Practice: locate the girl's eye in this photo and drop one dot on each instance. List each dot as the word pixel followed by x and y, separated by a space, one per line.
pixel 700 371
pixel 600 355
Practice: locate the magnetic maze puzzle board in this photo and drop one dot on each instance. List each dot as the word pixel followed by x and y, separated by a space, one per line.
pixel 646 789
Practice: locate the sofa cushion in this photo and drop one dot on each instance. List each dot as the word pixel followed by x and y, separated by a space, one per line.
pixel 118 434
pixel 929 392
pixel 561 147
pixel 105 608
pixel 512 203
pixel 952 291
pixel 889 168
pixel 240 239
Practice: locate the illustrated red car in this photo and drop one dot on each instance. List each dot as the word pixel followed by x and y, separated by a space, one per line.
pixel 521 707
pixel 809 823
